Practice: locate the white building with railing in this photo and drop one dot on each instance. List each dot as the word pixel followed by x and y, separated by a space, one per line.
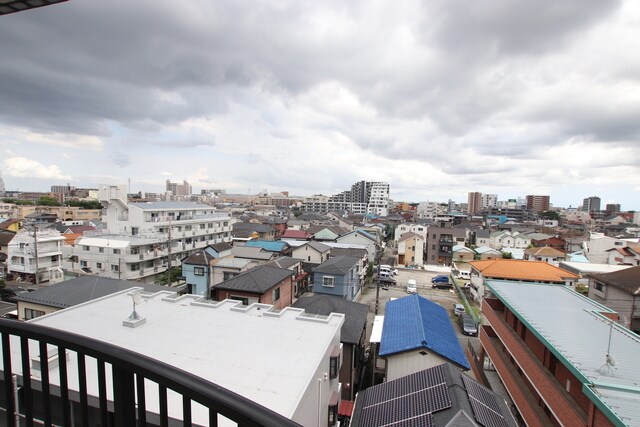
pixel 142 240
pixel 32 251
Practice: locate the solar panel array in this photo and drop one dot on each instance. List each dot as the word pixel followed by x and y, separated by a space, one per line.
pixel 485 405
pixel 407 401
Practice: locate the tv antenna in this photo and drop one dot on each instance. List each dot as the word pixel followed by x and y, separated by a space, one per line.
pixel 136 298
pixel 609 361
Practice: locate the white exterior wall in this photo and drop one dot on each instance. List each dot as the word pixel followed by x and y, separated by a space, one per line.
pixel 21 255
pixel 410 362
pixel 360 240
pixel 596 247
pixel 308 254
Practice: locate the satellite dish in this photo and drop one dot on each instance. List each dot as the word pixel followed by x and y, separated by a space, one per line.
pixel 137 298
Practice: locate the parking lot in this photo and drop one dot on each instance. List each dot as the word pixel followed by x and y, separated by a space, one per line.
pixel 446 298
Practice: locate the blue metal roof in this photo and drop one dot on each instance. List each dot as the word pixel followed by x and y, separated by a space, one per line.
pixel 414 322
pixel 268 245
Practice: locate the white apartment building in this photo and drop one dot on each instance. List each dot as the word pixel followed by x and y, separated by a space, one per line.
pixel 378 203
pixel 142 240
pixel 32 251
pixel 489 201
pixel 430 210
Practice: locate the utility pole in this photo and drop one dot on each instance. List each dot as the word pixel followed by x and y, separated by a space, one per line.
pixel 35 242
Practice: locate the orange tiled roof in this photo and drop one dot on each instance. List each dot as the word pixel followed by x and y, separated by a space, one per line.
pixel 521 270
pixel 545 251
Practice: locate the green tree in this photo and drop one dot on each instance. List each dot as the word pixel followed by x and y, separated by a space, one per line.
pixel 47 201
pixel 550 215
pixel 506 255
pixel 85 204
pixel 169 276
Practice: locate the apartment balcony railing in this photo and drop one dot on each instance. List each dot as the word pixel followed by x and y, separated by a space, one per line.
pixel 50 400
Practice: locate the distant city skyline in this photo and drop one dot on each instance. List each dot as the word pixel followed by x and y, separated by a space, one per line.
pixel 438 98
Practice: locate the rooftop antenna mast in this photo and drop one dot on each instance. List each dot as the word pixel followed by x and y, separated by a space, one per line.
pixel 609 361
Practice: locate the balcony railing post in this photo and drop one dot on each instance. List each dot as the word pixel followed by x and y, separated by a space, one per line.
pixel 124 401
pixel 8 379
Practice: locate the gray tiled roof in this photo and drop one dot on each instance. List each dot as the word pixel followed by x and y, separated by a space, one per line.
pixel 337 265
pixel 283 262
pixel 199 258
pixel 251 252
pixel 82 289
pixel 320 247
pixel 354 252
pixel 355 313
pixel 627 280
pixel 222 246
pixel 256 280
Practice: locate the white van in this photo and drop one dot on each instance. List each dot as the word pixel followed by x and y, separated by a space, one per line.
pixel 466 275
pixel 412 287
pixel 384 267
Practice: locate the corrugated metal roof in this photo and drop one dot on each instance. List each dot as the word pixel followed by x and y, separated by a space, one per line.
pixel 414 322
pixel 570 325
pixel 268 245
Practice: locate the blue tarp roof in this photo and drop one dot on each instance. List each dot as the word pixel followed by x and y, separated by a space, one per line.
pixel 414 322
pixel 268 245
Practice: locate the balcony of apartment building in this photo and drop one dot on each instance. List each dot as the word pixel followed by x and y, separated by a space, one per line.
pixel 123 390
pixel 533 387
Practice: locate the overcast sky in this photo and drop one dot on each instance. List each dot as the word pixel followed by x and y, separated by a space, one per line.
pixel 438 98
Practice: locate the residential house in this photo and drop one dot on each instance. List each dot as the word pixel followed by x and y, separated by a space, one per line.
pixel 297 224
pixel 312 252
pixel 75 291
pixel 359 253
pixel 596 248
pixel 196 270
pixel 620 291
pixel 410 249
pixel 479 238
pixel 326 232
pixel 438 396
pixel 292 234
pixel 486 252
pixel 461 253
pixel 244 231
pixel 505 239
pixel 262 284
pixel 584 269
pixel 562 358
pixel 5 238
pixel 552 242
pixel 279 247
pixel 440 243
pixel 629 255
pixel 410 227
pixel 300 277
pixel 253 253
pixel 417 334
pixel 11 224
pixel 220 250
pixel 360 237
pixel 352 336
pixel 338 276
pixel 294 370
pixel 545 253
pixel 516 271
pixel 36 252
pixel 225 268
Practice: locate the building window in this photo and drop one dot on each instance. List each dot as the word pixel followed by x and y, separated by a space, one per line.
pixel 328 282
pixel 83 263
pixel 115 267
pixel 333 415
pixel 275 295
pixel 599 287
pixel 85 248
pixel 198 271
pixel 228 275
pixel 30 313
pixel 135 267
pixel 99 265
pixel 116 251
pixel 101 250
pixel 334 366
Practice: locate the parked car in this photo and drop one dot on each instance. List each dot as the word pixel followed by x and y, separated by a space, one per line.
pixel 467 325
pixel 440 278
pixel 387 281
pixel 465 275
pixel 412 286
pixel 386 267
pixel 458 309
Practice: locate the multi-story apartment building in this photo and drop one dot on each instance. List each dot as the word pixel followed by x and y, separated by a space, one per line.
pixel 591 204
pixel 489 201
pixel 142 240
pixel 430 210
pixel 440 243
pixel 36 251
pixel 538 203
pixel 563 358
pixel 364 197
pixel 177 189
pixel 474 202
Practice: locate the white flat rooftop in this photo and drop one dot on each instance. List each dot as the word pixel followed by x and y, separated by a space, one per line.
pixel 265 356
pixel 572 327
pixel 590 267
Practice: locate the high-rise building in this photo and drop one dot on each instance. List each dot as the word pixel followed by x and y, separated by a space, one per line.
pixel 538 203
pixel 365 197
pixel 489 201
pixel 612 208
pixel 474 203
pixel 177 189
pixel 591 204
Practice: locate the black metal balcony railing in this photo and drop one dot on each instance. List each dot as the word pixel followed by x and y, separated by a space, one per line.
pixel 52 404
